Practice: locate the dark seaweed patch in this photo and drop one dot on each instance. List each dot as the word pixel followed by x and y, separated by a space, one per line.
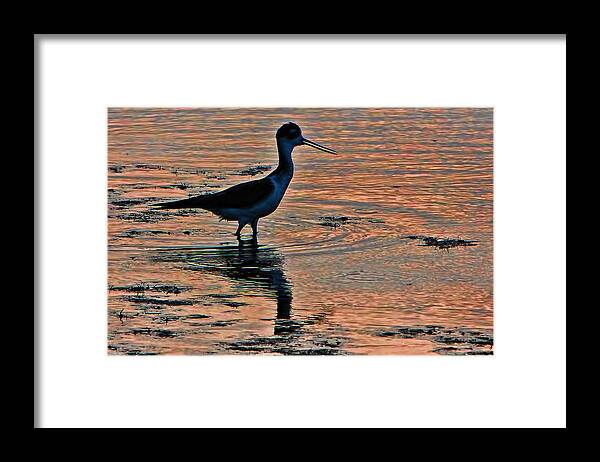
pixel 282 346
pixel 409 332
pixel 478 339
pixel 451 340
pixel 255 170
pixel 336 221
pixel 130 350
pixel 165 333
pixel 156 301
pixel 143 287
pixel 148 166
pixel 442 242
pixel 140 232
pixel 289 340
pixel 224 323
pixel 130 202
pixel 154 216
pixel 143 217
pixel 462 351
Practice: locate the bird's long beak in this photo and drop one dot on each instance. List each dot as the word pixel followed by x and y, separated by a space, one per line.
pixel 318 146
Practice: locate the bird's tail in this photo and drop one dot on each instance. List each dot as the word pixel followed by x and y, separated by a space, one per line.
pixel 192 202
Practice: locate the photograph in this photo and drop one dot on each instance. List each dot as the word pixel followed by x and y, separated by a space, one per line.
pixel 369 230
pixel 300 230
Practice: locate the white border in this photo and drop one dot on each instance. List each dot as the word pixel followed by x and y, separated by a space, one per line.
pixel 522 385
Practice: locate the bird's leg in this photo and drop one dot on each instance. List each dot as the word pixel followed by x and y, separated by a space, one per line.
pixel 239 230
pixel 254 228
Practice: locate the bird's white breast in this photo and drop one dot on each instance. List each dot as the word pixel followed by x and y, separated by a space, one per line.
pixel 264 207
pixel 271 202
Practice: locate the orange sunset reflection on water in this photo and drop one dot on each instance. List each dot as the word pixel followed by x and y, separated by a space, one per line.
pixel 333 272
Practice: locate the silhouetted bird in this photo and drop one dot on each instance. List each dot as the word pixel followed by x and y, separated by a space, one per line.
pixel 247 202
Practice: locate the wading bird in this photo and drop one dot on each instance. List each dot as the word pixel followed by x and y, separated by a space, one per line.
pixel 248 202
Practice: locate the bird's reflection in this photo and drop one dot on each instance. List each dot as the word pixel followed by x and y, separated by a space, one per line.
pixel 252 267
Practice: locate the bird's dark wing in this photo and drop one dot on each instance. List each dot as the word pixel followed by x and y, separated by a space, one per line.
pixel 241 195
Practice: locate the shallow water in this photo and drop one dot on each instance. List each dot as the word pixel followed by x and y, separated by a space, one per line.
pixel 333 272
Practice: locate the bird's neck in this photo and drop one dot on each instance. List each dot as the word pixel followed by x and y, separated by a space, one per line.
pixel 286 166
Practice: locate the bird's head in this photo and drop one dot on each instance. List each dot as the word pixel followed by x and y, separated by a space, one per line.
pixel 290 134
